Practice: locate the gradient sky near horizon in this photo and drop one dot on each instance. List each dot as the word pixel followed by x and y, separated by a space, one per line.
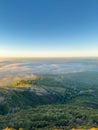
pixel 48 28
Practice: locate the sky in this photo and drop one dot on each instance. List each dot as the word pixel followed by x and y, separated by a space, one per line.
pixel 48 28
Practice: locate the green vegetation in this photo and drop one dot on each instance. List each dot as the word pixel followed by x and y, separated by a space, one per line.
pixel 46 117
pixel 51 101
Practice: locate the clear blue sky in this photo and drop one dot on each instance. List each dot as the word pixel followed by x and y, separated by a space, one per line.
pixel 48 27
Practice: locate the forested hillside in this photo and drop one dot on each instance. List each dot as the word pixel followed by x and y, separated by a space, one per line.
pixel 51 101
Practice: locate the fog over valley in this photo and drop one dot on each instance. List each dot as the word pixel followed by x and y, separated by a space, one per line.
pixel 16 69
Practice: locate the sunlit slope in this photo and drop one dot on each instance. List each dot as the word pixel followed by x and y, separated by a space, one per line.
pixel 10 80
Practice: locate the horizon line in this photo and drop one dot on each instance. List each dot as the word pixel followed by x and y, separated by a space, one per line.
pixel 28 57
